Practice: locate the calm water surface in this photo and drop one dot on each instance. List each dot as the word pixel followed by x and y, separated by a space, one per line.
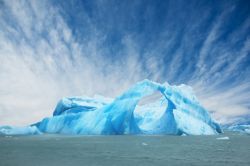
pixel 55 150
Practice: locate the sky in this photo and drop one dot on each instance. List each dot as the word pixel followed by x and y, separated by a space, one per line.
pixel 53 49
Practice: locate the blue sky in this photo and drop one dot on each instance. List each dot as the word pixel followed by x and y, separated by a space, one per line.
pixel 52 49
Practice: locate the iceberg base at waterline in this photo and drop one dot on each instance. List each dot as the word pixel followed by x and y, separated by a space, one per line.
pixel 176 111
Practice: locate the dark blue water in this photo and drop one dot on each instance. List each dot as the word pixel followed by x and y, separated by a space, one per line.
pixel 55 150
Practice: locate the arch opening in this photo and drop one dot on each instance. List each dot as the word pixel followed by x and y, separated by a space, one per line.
pixel 149 110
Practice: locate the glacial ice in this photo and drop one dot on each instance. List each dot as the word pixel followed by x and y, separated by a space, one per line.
pixel 223 138
pixel 27 130
pixel 176 112
pixel 242 128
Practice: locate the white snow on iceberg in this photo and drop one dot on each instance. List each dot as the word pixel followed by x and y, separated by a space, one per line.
pixel 176 112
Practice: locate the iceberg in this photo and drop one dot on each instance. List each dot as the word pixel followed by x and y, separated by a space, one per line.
pixel 27 130
pixel 177 112
pixel 241 128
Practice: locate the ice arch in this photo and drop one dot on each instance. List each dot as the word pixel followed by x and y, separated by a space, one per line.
pixel 104 116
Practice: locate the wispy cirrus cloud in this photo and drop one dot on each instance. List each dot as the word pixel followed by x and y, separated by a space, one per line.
pixel 43 61
pixel 49 50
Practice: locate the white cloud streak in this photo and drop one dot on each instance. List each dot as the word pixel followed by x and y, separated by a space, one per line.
pixel 37 71
pixel 42 60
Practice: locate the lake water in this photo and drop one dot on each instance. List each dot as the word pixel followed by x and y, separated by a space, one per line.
pixel 57 150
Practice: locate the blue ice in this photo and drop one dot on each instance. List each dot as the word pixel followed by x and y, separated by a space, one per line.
pixel 242 128
pixel 175 111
